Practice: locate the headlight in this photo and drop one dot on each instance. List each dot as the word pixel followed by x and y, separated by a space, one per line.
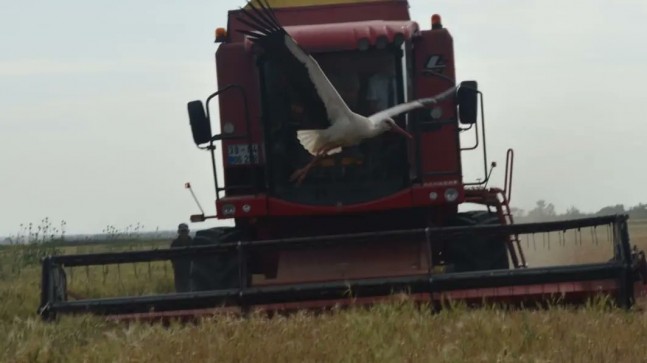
pixel 451 195
pixel 228 209
pixel 436 113
pixel 228 128
pixel 433 196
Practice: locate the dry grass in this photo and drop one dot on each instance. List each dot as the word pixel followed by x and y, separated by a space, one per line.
pixel 384 333
pixel 396 332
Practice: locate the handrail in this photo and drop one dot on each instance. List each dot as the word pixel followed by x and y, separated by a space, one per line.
pixel 507 188
pixel 247 134
pixel 485 163
pixel 105 258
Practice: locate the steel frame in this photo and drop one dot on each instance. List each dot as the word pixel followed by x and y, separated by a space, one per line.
pixel 614 277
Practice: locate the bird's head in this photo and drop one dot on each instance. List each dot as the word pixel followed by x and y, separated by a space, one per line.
pixel 388 124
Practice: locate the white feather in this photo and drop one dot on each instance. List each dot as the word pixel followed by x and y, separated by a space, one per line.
pixel 335 106
pixel 312 141
pixel 412 105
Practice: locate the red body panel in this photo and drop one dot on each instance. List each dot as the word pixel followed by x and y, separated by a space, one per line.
pixel 235 66
pixel 328 14
pixel 262 205
pixel 439 146
pixel 346 36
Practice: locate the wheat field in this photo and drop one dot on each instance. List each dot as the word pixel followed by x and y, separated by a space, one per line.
pixel 396 331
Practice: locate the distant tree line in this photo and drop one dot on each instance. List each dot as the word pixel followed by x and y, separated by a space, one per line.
pixel 544 211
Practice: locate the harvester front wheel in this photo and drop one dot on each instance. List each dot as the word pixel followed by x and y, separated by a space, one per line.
pixel 473 252
pixel 214 272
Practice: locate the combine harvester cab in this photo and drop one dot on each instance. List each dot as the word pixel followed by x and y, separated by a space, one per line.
pixel 373 220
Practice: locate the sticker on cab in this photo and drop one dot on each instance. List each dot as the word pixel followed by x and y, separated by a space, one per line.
pixel 238 154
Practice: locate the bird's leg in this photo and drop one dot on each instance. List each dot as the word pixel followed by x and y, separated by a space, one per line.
pixel 300 174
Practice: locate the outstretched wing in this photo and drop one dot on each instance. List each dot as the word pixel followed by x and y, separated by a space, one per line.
pixel 409 106
pixel 301 69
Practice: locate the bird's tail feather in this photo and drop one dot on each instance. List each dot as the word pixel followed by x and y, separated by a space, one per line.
pixel 311 141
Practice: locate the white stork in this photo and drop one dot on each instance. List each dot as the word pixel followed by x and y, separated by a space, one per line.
pixel 304 73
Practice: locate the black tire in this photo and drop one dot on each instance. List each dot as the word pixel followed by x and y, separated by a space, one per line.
pixel 215 272
pixel 474 252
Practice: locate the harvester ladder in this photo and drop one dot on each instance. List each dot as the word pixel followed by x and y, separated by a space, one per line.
pixel 500 200
pixel 504 212
pixel 495 198
pixel 505 216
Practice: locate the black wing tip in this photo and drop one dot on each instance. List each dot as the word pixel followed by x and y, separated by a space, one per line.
pixel 263 18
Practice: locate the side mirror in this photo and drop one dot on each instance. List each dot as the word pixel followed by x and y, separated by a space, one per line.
pixel 200 124
pixel 467 102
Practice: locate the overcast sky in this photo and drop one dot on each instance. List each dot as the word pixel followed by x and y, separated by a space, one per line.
pixel 94 129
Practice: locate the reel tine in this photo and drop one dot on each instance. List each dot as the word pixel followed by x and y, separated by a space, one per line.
pixel 150 277
pixel 71 275
pixel 87 276
pixel 121 283
pixel 578 237
pixel 105 272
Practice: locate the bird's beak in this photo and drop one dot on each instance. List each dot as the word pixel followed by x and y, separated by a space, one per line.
pixel 400 131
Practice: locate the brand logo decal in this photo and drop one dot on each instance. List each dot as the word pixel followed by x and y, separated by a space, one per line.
pixel 435 64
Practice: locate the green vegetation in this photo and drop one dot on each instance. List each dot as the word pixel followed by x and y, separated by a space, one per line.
pixel 392 332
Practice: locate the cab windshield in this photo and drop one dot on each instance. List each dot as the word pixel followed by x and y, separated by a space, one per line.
pixel 368 81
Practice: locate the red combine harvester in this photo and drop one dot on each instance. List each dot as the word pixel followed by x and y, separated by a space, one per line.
pixel 378 218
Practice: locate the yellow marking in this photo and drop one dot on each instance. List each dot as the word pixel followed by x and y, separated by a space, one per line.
pixel 439 269
pixel 330 162
pixel 351 161
pixel 327 163
pixel 296 3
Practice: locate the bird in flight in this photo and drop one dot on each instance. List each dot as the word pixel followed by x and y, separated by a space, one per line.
pixel 347 128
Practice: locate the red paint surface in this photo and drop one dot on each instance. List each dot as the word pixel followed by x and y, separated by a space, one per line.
pixel 439 149
pixel 263 205
pixel 325 14
pixel 345 36
pixel 574 291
